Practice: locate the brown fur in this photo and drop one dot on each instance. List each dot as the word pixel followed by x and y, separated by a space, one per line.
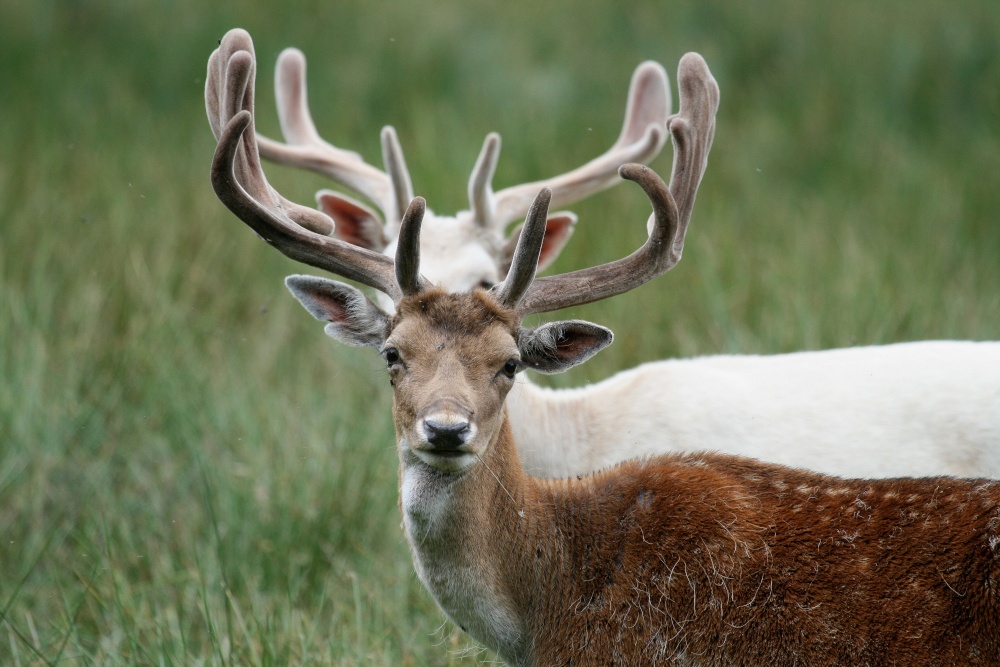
pixel 712 559
pixel 466 314
pixel 696 559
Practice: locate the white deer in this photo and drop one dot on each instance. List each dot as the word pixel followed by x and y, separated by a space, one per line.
pixel 679 559
pixel 904 409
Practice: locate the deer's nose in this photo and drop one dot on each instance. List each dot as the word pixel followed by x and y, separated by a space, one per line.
pixel 446 435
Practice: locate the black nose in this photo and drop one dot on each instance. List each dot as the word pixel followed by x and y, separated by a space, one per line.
pixel 446 436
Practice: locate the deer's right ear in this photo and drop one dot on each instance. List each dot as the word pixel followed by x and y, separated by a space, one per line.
pixel 352 317
pixel 355 223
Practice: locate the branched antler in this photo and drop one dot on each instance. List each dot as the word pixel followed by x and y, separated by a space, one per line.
pixel 692 131
pixel 641 139
pixel 238 178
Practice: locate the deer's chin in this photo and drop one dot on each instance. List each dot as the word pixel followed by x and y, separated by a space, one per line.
pixel 445 460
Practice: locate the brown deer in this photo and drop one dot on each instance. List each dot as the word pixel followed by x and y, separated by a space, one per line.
pixel 694 559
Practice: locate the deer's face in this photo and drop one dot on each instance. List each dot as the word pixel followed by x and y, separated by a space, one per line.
pixel 451 360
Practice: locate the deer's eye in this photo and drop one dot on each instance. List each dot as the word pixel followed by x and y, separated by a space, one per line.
pixel 391 356
pixel 511 367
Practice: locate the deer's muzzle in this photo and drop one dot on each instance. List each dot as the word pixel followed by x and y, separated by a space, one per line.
pixel 446 426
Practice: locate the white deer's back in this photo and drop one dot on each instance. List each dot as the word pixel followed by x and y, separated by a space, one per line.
pixel 909 409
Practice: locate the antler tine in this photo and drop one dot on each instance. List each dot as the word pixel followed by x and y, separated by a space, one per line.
pixel 229 87
pixel 699 102
pixel 692 131
pixel 642 137
pixel 481 200
pixel 212 94
pixel 292 97
pixel 239 180
pixel 399 179
pixel 529 247
pixel 408 249
pixel 307 150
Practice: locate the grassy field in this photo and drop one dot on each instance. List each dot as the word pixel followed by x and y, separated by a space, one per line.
pixel 192 474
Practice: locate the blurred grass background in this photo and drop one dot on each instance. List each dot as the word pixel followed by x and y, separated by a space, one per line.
pixel 192 474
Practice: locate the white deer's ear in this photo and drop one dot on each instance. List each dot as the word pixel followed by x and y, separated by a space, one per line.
pixel 353 319
pixel 557 346
pixel 354 222
pixel 558 229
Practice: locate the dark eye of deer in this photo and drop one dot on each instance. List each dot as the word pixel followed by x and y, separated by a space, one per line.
pixel 391 356
pixel 510 368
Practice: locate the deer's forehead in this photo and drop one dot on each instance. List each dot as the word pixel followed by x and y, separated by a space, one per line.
pixel 437 320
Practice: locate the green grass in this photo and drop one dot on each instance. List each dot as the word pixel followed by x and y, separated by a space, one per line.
pixel 192 474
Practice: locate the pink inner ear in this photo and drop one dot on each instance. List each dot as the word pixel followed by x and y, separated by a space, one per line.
pixel 575 342
pixel 355 223
pixel 325 304
pixel 558 229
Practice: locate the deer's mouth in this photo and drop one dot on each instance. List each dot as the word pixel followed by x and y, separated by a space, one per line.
pixel 446 460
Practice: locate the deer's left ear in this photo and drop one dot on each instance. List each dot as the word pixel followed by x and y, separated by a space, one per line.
pixel 352 317
pixel 557 346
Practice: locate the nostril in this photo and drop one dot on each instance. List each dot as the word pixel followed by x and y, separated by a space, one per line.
pixel 442 435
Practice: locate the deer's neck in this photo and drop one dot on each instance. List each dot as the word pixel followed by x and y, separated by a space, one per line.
pixel 469 534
